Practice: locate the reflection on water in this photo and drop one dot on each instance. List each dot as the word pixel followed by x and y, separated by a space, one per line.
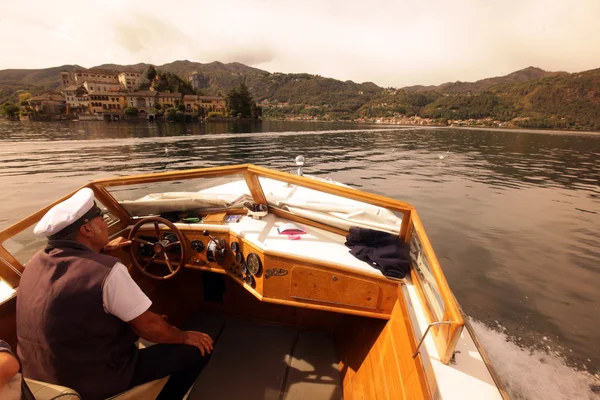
pixel 513 216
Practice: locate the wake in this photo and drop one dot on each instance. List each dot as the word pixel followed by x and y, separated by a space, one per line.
pixel 529 374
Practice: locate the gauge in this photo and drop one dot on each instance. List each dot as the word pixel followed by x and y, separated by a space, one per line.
pixel 235 247
pixel 197 245
pixel 244 268
pixel 239 258
pixel 253 262
pixel 249 280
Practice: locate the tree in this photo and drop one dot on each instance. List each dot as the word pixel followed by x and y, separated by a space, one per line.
pixel 241 104
pixel 23 97
pixel 9 109
pixel 131 111
pixel 151 73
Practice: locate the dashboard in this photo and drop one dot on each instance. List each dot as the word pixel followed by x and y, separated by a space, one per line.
pixel 314 272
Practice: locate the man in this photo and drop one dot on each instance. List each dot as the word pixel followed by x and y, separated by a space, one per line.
pixel 79 313
pixel 10 383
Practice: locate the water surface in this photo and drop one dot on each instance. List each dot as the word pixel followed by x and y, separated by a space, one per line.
pixel 514 217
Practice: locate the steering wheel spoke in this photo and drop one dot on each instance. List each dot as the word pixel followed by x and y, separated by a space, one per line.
pixel 159 248
pixel 142 241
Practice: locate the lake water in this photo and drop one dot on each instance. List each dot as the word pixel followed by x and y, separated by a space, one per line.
pixel 514 217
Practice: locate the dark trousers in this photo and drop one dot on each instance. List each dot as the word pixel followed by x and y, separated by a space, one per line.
pixel 181 361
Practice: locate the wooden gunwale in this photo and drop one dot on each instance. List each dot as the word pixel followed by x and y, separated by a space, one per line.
pixel 445 336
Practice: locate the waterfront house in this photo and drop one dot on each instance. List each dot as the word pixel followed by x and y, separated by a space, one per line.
pixel 143 100
pixel 76 98
pixel 209 103
pixel 48 103
pixel 107 103
pixel 168 100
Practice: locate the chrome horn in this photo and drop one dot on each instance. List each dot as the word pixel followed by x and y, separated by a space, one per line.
pixel 300 164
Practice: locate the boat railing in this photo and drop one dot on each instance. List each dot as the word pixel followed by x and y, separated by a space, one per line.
pixel 426 273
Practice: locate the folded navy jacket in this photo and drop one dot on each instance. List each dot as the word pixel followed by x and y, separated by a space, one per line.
pixel 382 250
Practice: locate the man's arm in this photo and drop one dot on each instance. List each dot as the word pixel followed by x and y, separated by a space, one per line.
pixel 9 367
pixel 154 328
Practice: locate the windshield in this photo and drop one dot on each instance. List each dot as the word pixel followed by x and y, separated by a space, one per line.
pixel 189 197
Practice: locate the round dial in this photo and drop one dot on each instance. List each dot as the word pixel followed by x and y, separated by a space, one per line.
pixel 235 247
pixel 249 280
pixel 243 268
pixel 254 264
pixel 239 258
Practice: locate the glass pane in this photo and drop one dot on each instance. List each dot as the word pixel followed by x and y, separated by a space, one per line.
pixel 183 197
pixel 329 209
pixel 24 244
pixel 421 265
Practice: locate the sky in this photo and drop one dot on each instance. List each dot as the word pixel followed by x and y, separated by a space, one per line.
pixel 393 43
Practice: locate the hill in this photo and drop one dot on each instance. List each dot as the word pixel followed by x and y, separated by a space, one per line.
pixel 457 87
pixel 530 97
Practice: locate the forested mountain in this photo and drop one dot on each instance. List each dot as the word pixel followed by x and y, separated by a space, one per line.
pixel 458 87
pixel 530 97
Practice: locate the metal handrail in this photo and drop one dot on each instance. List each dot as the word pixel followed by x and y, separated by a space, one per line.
pixel 425 334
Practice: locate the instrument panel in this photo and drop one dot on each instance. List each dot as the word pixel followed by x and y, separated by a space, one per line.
pixel 285 279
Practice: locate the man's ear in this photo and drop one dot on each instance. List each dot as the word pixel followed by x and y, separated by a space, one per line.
pixel 85 231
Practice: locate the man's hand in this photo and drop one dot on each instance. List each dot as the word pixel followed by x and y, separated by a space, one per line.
pixel 200 340
pixel 116 243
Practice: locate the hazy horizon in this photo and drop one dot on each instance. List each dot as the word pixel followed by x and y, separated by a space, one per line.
pixel 388 42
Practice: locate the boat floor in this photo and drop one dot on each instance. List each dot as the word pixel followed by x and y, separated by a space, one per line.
pixel 258 361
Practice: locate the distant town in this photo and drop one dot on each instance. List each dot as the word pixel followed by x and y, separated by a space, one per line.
pixel 115 95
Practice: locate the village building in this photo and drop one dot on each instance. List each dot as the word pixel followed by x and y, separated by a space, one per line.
pixel 95 75
pixel 49 103
pixel 76 98
pixel 107 102
pixel 98 86
pixel 168 100
pixel 130 81
pixel 143 100
pixel 209 103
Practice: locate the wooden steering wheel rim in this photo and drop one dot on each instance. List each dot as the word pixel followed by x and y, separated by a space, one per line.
pixel 135 258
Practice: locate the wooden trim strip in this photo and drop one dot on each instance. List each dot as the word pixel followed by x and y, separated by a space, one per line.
pixel 445 336
pixel 255 187
pixel 171 176
pixel 30 220
pixel 6 272
pixel 292 217
pixel 334 189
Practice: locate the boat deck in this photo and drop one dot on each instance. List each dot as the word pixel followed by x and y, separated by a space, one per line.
pixel 258 361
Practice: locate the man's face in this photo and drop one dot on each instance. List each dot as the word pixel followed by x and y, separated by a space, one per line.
pixel 100 229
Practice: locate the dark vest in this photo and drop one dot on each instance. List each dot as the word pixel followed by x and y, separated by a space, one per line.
pixel 65 336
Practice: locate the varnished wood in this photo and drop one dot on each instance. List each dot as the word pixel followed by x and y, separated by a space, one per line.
pixel 334 189
pixel 6 272
pixel 171 176
pixel 277 288
pixel 104 197
pixel 314 284
pixel 445 336
pixel 292 217
pixel 30 220
pixel 255 188
pixel 376 360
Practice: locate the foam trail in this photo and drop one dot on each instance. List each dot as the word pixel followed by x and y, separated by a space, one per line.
pixel 532 374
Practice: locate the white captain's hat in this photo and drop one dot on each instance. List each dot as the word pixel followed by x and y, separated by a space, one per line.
pixel 69 215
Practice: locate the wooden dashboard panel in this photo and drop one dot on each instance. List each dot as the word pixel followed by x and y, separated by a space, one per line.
pixel 289 280
pixel 313 284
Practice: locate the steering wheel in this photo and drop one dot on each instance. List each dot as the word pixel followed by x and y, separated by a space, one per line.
pixel 159 248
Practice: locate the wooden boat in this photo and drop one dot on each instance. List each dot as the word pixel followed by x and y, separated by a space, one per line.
pixel 295 319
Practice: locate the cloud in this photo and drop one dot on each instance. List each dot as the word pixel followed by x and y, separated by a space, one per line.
pixel 389 42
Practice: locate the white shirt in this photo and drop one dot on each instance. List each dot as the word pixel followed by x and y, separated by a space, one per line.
pixel 121 296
